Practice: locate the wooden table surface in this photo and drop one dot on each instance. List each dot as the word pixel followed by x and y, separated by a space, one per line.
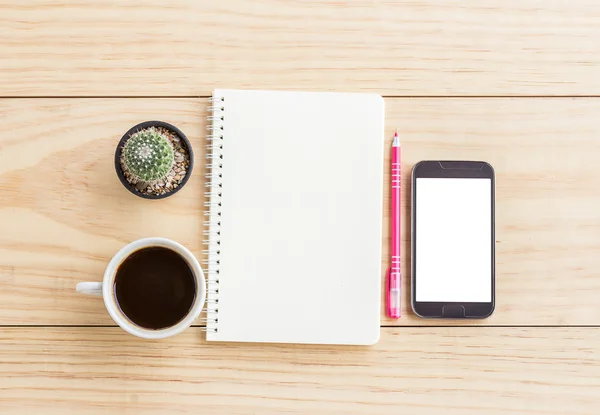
pixel 515 83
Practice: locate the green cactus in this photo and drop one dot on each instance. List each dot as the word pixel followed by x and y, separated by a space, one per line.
pixel 148 155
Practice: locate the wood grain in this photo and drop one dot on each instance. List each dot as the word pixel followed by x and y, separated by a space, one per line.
pixel 63 213
pixel 466 371
pixel 545 154
pixel 407 47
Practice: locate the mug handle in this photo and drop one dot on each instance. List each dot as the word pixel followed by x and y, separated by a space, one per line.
pixel 90 288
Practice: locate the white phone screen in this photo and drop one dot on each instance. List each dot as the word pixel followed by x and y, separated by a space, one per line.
pixel 453 247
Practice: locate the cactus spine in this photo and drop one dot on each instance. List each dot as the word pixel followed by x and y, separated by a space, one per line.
pixel 148 155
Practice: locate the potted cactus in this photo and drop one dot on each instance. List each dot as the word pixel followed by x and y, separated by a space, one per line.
pixel 154 160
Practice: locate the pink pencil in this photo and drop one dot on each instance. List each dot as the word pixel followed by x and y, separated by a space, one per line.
pixel 395 274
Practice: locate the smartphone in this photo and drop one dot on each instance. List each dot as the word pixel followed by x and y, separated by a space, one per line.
pixel 453 255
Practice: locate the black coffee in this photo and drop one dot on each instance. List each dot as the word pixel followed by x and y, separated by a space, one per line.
pixel 155 288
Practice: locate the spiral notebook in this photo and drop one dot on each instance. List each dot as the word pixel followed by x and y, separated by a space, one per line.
pixel 294 217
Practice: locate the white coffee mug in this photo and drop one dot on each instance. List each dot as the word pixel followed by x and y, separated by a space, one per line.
pixel 107 291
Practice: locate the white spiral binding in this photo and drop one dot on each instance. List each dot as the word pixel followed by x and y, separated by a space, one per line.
pixel 213 202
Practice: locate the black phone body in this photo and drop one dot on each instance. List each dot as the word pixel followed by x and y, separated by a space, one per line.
pixel 453 239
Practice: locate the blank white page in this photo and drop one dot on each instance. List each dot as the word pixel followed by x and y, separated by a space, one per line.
pixel 300 242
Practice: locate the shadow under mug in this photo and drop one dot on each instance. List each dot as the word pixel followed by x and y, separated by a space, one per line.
pixel 106 288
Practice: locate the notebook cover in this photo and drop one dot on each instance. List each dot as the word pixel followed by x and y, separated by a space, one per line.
pixel 300 222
